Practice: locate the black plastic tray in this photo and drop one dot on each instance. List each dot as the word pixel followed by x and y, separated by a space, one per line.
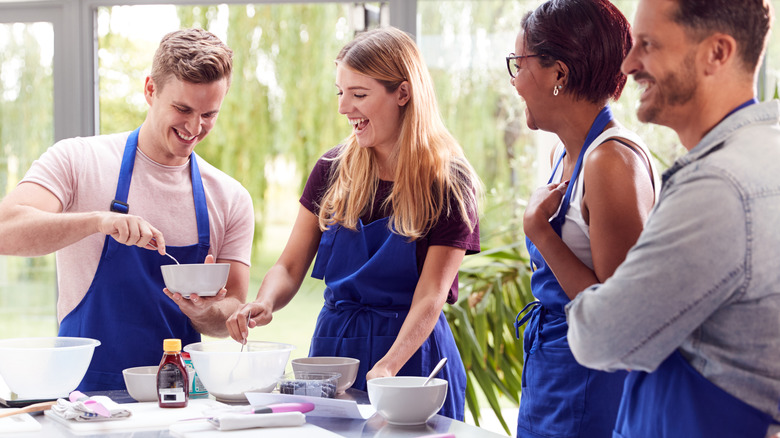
pixel 11 401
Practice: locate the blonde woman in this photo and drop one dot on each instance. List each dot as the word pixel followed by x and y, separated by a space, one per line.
pixel 390 214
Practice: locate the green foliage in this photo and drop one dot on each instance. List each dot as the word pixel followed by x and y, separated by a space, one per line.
pixel 494 285
pixel 281 104
pixel 26 131
pixel 282 99
pixel 26 106
pixel 123 67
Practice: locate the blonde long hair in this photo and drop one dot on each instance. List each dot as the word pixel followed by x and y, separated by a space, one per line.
pixel 430 167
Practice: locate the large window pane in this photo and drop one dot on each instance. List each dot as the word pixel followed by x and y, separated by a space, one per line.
pixel 27 285
pixel 282 102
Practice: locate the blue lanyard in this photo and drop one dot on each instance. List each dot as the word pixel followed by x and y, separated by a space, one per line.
pixel 601 121
pixel 748 103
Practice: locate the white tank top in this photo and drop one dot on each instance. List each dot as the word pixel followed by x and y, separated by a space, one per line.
pixel 575 232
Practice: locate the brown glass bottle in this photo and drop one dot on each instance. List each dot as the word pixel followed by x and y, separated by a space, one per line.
pixel 172 381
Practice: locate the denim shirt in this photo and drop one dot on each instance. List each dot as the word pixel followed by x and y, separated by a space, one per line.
pixel 704 276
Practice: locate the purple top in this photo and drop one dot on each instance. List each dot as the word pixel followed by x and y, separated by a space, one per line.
pixel 449 230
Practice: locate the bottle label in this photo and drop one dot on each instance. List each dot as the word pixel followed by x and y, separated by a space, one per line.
pixel 172 395
pixel 172 385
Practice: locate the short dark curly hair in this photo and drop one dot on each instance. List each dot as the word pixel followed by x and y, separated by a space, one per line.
pixel 592 37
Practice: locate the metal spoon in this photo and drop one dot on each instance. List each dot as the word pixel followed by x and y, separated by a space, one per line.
pixel 248 317
pixel 435 371
pixel 244 341
pixel 153 244
pixel 173 258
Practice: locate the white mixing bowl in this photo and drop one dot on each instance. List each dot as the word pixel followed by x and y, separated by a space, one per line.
pixel 227 372
pixel 45 368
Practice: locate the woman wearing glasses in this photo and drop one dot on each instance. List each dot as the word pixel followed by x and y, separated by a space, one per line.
pixel 390 214
pixel 579 226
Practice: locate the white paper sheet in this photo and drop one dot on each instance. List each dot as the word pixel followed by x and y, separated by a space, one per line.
pixel 19 423
pixel 323 407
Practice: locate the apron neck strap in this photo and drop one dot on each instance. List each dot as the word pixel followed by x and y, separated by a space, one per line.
pixel 199 197
pixel 739 107
pixel 601 121
pixel 119 204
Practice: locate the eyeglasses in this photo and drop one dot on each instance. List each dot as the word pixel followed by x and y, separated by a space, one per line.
pixel 512 66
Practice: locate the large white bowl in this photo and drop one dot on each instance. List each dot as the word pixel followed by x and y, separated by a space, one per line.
pixel 404 401
pixel 204 279
pixel 141 382
pixel 346 366
pixel 45 368
pixel 227 372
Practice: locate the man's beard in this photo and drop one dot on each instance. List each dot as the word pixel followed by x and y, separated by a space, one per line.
pixel 674 89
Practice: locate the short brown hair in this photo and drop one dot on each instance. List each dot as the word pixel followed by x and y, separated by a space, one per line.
pixel 747 21
pixel 192 55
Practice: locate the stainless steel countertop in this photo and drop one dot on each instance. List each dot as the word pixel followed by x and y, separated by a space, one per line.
pixel 374 427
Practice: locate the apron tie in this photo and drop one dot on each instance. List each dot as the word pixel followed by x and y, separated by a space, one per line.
pixel 519 321
pixel 355 309
pixel 537 313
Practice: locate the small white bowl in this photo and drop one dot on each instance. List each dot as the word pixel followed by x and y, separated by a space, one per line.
pixel 141 382
pixel 204 279
pixel 402 400
pixel 346 366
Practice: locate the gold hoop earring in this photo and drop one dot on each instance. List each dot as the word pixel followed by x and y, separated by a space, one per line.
pixel 556 88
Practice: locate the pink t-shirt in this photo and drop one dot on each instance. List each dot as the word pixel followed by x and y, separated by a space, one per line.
pixel 83 172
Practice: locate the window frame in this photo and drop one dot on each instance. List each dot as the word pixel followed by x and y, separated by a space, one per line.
pixel 68 100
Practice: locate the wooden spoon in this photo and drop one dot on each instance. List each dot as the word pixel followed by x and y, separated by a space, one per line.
pixel 43 406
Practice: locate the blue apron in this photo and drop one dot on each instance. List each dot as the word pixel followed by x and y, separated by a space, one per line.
pixel 676 401
pixel 559 396
pixel 370 276
pixel 125 307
